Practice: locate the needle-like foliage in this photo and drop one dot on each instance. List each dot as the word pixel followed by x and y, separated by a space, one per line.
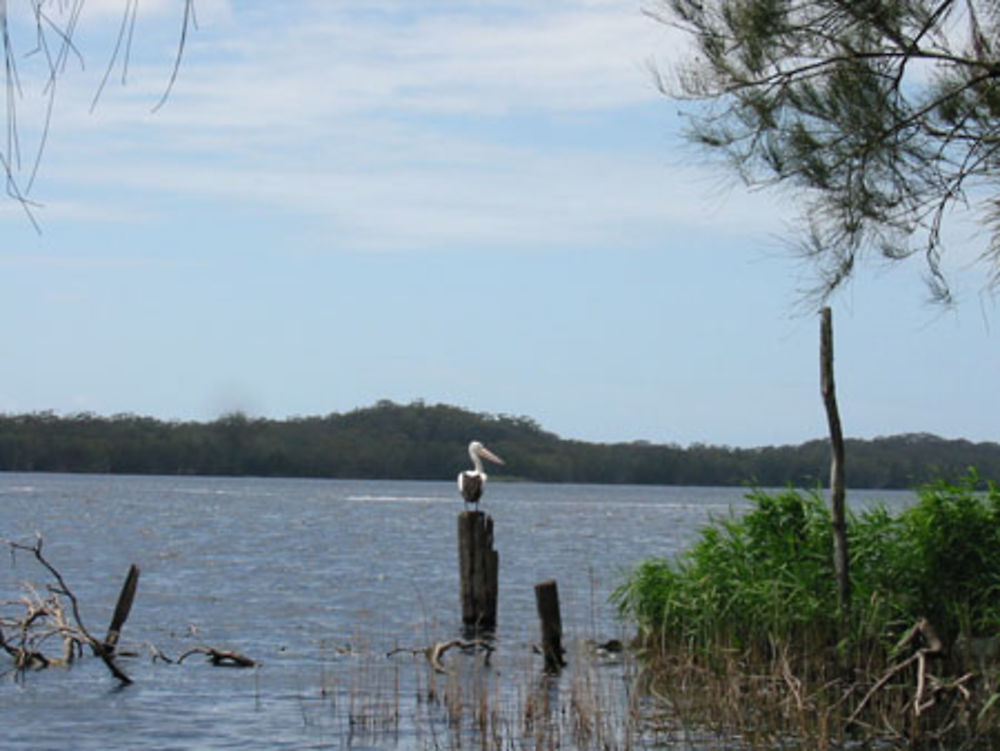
pixel 881 115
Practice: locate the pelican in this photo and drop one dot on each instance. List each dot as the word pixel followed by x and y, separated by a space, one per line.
pixel 471 482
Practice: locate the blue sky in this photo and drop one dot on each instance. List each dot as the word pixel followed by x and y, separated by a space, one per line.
pixel 485 204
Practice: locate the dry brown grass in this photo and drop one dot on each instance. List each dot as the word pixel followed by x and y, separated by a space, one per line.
pixel 505 701
pixel 490 701
pixel 813 702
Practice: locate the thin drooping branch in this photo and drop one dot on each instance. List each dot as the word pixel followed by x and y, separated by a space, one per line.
pixel 881 116
pixel 189 22
pixel 55 44
pixel 124 41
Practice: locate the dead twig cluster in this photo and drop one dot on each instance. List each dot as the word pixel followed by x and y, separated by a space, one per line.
pixel 45 617
pixel 927 686
pixel 918 693
pixel 928 690
pixel 41 618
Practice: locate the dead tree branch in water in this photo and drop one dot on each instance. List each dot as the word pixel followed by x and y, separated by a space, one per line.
pixel 42 618
pixel 46 617
pixel 220 657
pixel 436 651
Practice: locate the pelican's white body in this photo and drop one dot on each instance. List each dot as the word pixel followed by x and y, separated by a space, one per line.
pixel 472 482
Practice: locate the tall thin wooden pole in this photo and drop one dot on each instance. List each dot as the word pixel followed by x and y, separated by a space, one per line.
pixel 479 566
pixel 840 565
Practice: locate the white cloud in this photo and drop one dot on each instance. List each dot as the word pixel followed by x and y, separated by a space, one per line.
pixel 477 195
pixel 396 129
pixel 102 10
pixel 300 72
pixel 328 62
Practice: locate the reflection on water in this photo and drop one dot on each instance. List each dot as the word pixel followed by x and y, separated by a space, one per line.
pixel 318 580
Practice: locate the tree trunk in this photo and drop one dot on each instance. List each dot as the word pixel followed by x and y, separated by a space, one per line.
pixel 840 564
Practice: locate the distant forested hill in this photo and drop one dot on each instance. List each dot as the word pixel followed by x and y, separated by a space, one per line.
pixel 420 441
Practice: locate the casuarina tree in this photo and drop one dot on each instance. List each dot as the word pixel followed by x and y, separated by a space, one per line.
pixel 882 115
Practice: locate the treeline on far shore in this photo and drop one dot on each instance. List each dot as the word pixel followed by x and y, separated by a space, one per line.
pixel 421 441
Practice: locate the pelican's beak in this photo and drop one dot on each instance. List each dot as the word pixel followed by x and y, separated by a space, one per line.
pixel 487 454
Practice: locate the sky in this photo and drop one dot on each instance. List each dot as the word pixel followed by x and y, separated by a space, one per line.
pixel 480 203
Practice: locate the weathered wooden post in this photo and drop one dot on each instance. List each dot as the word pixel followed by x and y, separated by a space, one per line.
pixel 479 565
pixel 547 601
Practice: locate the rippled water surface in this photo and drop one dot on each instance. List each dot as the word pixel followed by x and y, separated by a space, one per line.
pixel 317 580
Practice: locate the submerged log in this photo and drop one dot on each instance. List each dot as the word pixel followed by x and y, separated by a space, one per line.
pixel 220 657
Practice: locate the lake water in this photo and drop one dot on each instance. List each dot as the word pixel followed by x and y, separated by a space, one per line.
pixel 318 580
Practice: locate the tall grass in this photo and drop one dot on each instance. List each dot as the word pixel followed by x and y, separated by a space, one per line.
pixel 508 702
pixel 747 580
pixel 768 576
pixel 755 598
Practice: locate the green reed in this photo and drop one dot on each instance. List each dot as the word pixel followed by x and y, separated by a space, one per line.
pixel 750 611
pixel 768 575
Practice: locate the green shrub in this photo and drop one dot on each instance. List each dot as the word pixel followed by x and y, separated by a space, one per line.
pixel 749 579
pixel 955 533
pixel 767 577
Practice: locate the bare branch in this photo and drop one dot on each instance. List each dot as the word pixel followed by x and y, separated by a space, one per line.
pixel 221 657
pixel 435 652
pixel 99 648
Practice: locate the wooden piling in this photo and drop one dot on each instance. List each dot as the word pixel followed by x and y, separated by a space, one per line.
pixel 547 601
pixel 479 565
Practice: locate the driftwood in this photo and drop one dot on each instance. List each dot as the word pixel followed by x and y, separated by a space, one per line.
pixel 220 657
pixel 156 654
pixel 46 617
pixel 436 651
